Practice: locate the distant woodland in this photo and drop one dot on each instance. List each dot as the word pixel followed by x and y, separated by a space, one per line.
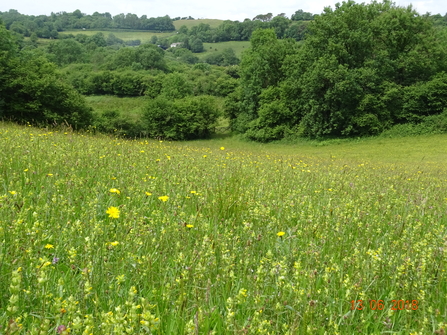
pixel 355 70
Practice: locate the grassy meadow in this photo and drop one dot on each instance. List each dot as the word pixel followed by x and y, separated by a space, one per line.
pixel 131 107
pixel 237 46
pixel 101 235
pixel 124 34
pixel 214 23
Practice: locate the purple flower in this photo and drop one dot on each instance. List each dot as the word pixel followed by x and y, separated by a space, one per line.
pixel 61 329
pixel 55 260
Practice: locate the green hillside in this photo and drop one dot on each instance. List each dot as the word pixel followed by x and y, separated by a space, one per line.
pixel 214 23
pixel 237 46
pixel 124 34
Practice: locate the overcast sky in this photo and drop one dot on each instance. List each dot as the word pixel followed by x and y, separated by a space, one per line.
pixel 225 10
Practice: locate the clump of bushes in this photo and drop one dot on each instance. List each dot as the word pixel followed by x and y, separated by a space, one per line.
pixel 181 119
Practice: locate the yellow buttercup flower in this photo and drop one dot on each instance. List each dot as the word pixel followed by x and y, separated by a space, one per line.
pixel 49 246
pixel 115 190
pixel 113 212
pixel 164 198
pixel 222 148
pixel 281 233
pixel 148 194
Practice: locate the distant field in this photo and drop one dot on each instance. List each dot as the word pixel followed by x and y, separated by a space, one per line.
pixel 214 23
pixel 237 46
pixel 126 35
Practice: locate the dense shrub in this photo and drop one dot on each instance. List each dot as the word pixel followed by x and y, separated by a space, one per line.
pixel 35 93
pixel 148 56
pixel 115 123
pixel 183 119
pixel 224 58
pixel 176 86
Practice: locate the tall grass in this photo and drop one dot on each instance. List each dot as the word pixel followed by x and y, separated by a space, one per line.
pixel 106 236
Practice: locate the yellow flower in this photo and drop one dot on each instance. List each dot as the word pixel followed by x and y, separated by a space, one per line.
pixel 204 156
pixel 164 198
pixel 115 190
pixel 281 233
pixel 49 246
pixel 148 194
pixel 222 148
pixel 189 226
pixel 114 243
pixel 113 212
pixel 13 192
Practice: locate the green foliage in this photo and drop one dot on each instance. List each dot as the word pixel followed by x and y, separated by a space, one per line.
pixel 261 67
pixel 153 85
pixel 226 57
pixel 196 45
pixel 434 124
pixel 32 91
pixel 66 51
pixel 361 69
pixel 112 39
pixel 202 66
pixel 424 98
pixel 301 15
pixel 184 55
pixel 148 55
pixel 188 118
pixel 48 26
pixel 113 122
pixel 36 94
pixel 351 59
pixel 176 86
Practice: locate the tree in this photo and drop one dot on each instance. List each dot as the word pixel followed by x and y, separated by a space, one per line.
pixel 196 45
pixel 8 50
pixel 280 24
pixel 301 15
pixel 261 67
pixel 66 51
pixel 183 119
pixel 183 30
pixel 32 91
pixel 151 57
pixel 358 60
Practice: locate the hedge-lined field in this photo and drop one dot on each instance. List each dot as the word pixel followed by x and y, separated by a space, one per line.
pixel 107 236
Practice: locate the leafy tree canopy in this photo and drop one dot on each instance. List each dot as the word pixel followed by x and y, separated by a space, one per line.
pixel 362 68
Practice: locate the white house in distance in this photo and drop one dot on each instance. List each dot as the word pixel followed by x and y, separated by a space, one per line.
pixel 174 45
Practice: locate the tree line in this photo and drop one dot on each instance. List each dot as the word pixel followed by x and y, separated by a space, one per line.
pixel 49 26
pixel 45 86
pixel 360 70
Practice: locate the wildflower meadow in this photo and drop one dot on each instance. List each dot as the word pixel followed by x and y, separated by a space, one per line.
pixel 102 235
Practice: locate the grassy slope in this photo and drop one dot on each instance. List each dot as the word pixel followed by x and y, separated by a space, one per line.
pixel 125 35
pixel 129 106
pixel 358 221
pixel 214 23
pixel 237 46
